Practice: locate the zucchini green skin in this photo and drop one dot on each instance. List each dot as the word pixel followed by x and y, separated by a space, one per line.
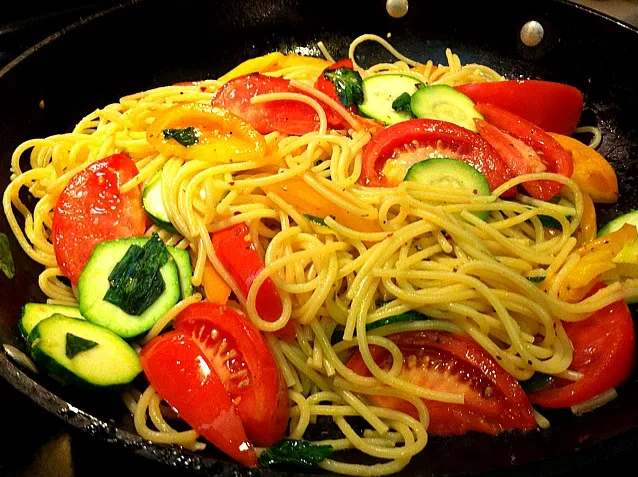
pixel 184 269
pixel 153 204
pixel 445 103
pixel 113 362
pixel 381 90
pixel 33 313
pixel 629 254
pixel 94 283
pixel 445 172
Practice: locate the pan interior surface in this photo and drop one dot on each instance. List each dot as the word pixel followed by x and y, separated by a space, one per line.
pixel 145 44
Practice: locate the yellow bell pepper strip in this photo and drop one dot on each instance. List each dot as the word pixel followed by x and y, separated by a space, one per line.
pixel 586 231
pixel 596 259
pixel 592 172
pixel 200 131
pixel 308 201
pixel 287 61
pixel 215 288
pixel 261 64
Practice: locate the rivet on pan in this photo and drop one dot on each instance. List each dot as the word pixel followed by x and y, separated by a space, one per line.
pixel 532 33
pixel 396 8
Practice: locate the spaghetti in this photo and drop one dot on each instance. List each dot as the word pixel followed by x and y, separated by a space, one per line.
pixel 430 254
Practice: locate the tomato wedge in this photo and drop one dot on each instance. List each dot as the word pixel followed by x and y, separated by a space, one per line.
pixel 494 400
pixel 242 360
pixel 179 371
pixel 554 107
pixel 239 257
pixel 553 155
pixel 91 210
pixel 289 117
pixel 604 352
pixel 390 153
pixel 326 86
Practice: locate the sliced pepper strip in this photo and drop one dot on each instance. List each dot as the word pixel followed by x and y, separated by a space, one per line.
pixel 596 259
pixel 222 137
pixel 259 64
pixel 592 172
pixel 306 200
pixel 586 231
pixel 287 61
pixel 215 288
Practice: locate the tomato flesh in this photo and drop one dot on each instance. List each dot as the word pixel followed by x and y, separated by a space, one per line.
pixel 604 352
pixel 408 142
pixel 554 156
pixel 183 376
pixel 239 257
pixel 242 360
pixel 287 116
pixel 551 106
pixel 91 210
pixel 436 360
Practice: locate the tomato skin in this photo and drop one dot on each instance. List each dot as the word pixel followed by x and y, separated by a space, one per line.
pixel 494 401
pixel 91 210
pixel 180 373
pixel 262 401
pixel 289 117
pixel 554 107
pixel 240 258
pixel 326 86
pixel 462 143
pixel 604 352
pixel 555 157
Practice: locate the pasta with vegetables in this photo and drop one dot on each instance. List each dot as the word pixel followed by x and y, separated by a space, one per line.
pixel 403 249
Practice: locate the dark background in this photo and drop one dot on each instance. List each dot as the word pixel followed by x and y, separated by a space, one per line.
pixel 35 443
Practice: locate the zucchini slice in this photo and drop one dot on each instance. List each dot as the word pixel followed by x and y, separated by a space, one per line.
pixel 445 103
pixel 184 269
pixel 446 172
pixel 154 205
pixel 79 352
pixel 34 313
pixel 94 283
pixel 380 91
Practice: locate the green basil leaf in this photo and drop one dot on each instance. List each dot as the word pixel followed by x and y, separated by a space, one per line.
pixel 6 259
pixel 296 453
pixel 348 84
pixel 186 137
pixel 402 103
pixel 136 281
pixel 77 344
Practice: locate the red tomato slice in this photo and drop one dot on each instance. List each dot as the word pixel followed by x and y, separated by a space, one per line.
pixel 289 117
pixel 326 86
pixel 604 352
pixel 551 106
pixel 180 373
pixel 405 143
pixel 237 253
pixel 556 158
pixel 91 210
pixel 242 360
pixel 437 360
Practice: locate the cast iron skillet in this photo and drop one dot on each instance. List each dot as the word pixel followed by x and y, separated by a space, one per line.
pixel 142 45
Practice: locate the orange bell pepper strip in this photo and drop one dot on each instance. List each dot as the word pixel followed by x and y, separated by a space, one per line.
pixel 201 131
pixel 215 288
pixel 592 172
pixel 308 201
pixel 596 259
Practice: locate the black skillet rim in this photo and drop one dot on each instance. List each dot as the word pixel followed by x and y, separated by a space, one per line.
pixel 576 460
